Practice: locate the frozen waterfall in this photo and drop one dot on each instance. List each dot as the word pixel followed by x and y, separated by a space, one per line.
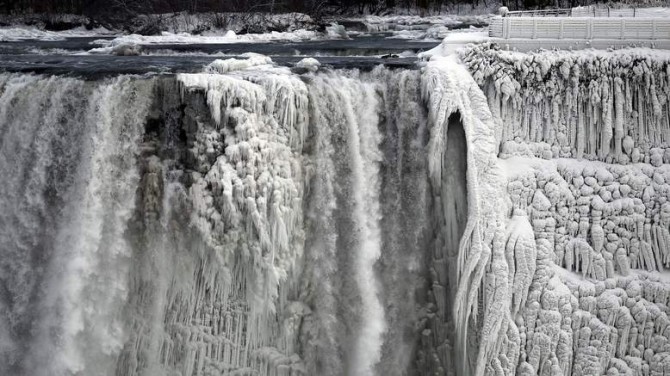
pixel 242 221
pixel 492 213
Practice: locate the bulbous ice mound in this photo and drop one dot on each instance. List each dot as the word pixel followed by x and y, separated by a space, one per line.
pixel 127 49
pixel 309 63
pixel 337 31
pixel 228 65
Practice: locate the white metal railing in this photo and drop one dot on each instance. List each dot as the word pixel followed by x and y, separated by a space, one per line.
pixel 539 13
pixel 588 11
pixel 624 28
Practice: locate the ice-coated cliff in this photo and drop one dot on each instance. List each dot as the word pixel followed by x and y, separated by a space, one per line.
pixel 495 213
pixel 582 142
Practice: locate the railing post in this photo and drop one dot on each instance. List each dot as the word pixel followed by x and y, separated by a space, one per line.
pixel 560 31
pixel 623 28
pixel 534 28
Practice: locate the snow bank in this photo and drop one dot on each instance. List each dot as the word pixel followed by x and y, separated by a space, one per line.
pixel 454 40
pixel 229 65
pixel 209 38
pixel 432 33
pixel 14 34
pixel 249 22
pixel 410 22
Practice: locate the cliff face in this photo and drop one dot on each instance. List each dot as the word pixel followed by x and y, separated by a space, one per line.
pixel 583 140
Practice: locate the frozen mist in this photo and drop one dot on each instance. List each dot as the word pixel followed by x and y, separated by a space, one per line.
pixel 494 213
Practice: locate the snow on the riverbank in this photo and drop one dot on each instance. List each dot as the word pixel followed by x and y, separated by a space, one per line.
pixel 210 38
pixel 251 22
pixel 455 40
pixel 15 34
pixel 388 23
pixel 435 32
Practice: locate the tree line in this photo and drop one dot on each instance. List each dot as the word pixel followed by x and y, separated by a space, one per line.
pixel 125 8
pixel 134 7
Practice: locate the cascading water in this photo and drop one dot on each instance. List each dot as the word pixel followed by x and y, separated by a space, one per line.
pixel 242 221
pixel 69 178
pixel 352 128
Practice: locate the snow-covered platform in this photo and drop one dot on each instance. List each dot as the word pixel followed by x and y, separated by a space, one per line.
pixel 528 32
pixel 588 28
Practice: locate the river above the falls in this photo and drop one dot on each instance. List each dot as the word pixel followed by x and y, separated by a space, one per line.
pixel 78 55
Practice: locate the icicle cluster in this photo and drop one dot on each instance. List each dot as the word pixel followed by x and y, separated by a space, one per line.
pixel 246 194
pixel 611 106
pixel 604 219
pixel 586 240
pixel 595 225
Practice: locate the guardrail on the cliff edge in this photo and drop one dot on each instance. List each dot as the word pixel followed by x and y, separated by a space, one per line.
pixel 588 28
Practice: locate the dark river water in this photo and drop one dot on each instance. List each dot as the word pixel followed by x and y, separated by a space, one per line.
pixel 71 55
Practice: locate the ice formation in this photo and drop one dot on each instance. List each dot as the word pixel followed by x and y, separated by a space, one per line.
pixel 582 139
pixel 494 213
pixel 309 63
pixel 450 90
pixel 610 106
